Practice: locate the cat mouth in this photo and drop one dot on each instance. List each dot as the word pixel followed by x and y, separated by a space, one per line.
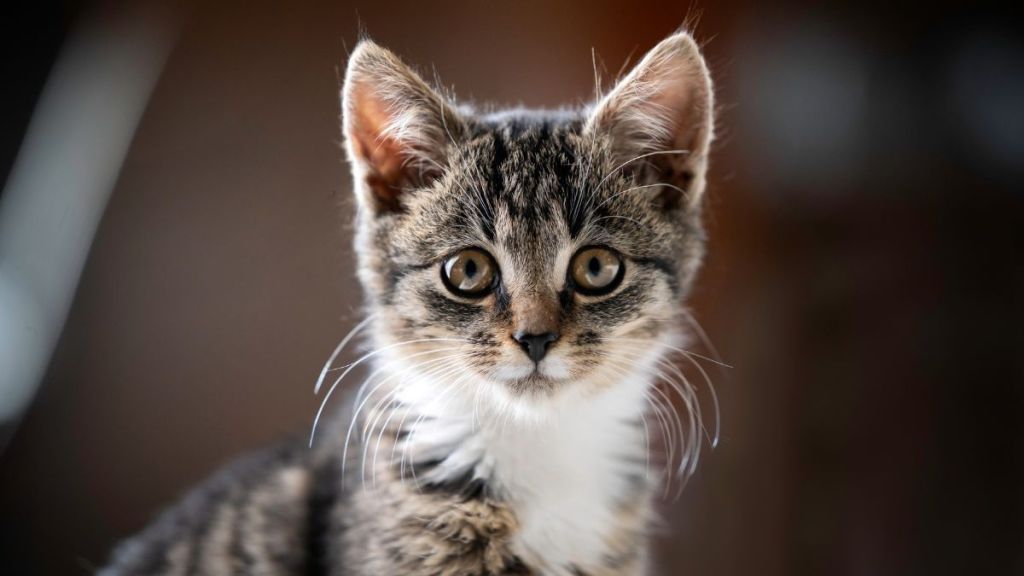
pixel 533 376
pixel 539 379
pixel 533 382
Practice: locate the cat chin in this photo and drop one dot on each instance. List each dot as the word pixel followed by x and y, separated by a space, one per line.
pixel 528 382
pixel 537 394
pixel 537 400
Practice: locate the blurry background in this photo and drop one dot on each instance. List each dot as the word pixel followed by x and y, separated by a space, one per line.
pixel 866 205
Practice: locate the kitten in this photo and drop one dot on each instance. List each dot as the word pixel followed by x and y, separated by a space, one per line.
pixel 524 273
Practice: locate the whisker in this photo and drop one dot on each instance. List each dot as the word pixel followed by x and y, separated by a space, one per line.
pixel 713 440
pixel 348 367
pixel 341 346
pixel 435 372
pixel 690 357
pixel 409 436
pixel 385 367
pixel 684 389
pixel 714 400
pixel 647 445
pixel 362 359
pixel 634 159
pixel 452 389
pixel 689 457
pixel 703 337
pixel 616 217
pixel 355 419
pixel 330 391
pixel 441 363
pixel 659 411
pixel 676 421
pixel 631 189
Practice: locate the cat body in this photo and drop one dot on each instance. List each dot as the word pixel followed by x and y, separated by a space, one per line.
pixel 524 273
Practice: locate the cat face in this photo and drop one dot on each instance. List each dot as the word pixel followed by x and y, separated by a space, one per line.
pixel 525 253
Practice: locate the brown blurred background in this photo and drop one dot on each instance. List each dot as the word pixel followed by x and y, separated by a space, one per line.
pixel 864 277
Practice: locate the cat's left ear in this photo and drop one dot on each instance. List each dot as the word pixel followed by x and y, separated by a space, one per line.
pixel 397 128
pixel 660 120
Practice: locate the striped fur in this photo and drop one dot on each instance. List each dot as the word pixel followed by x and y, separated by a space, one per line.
pixel 464 456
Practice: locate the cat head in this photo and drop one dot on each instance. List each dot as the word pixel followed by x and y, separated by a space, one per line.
pixel 526 255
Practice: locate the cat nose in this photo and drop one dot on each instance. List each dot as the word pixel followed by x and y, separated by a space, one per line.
pixel 535 345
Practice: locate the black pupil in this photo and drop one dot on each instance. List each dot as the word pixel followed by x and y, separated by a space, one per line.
pixel 470 268
pixel 594 266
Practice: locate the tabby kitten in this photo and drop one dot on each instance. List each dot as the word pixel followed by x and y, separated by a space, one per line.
pixel 524 272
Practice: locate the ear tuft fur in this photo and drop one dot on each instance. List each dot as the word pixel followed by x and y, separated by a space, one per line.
pixel 397 128
pixel 662 112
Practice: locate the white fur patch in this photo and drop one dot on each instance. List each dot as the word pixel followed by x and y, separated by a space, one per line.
pixel 562 463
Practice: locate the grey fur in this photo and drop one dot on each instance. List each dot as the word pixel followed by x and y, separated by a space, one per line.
pixel 434 178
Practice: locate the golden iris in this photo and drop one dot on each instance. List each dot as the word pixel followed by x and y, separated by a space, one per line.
pixel 596 270
pixel 470 273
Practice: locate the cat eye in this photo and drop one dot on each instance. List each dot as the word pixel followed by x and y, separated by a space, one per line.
pixel 470 273
pixel 596 270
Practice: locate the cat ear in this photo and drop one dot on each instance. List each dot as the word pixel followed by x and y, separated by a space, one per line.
pixel 397 128
pixel 660 120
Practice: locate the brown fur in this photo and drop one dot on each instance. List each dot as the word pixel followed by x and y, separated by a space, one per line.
pixel 531 189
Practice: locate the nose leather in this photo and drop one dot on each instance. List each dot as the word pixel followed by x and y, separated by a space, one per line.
pixel 535 345
pixel 535 322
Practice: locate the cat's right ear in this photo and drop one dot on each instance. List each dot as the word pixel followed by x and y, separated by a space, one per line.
pixel 660 117
pixel 397 128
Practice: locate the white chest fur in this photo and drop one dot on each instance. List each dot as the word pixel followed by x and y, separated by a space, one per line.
pixel 565 471
pixel 566 477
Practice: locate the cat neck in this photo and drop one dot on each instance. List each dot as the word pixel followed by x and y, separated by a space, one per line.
pixel 569 469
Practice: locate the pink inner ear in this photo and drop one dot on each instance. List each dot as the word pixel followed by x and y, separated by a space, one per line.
pixel 661 113
pixel 663 104
pixel 682 97
pixel 386 176
pixel 383 156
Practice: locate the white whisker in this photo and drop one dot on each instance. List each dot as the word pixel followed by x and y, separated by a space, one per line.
pixel 341 346
pixel 690 455
pixel 410 434
pixel 330 391
pixel 355 419
pixel 440 372
pixel 634 159
pixel 452 388
pixel 633 188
